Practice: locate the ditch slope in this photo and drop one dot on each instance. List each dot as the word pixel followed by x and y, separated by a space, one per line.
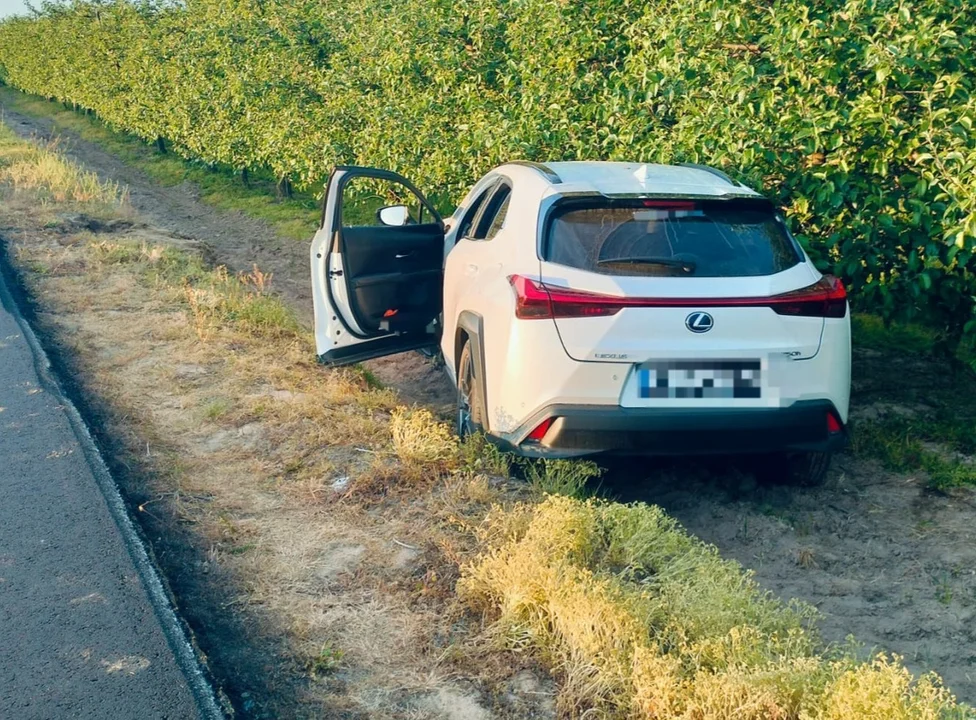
pixel 882 557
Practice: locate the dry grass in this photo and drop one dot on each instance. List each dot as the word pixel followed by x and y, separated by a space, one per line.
pixel 265 464
pixel 228 424
pixel 40 167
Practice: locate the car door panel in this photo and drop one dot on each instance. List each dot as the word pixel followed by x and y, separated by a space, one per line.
pixel 457 280
pixel 393 276
pixel 377 289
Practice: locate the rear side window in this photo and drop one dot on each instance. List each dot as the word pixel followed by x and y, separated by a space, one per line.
pixel 464 229
pixel 499 220
pixel 493 217
pixel 710 238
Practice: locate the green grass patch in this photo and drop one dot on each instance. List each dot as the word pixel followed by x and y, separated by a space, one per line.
pixel 327 661
pixel 900 445
pixel 925 420
pixel 295 218
pixel 216 409
pixel 569 478
pixel 479 455
pixel 870 332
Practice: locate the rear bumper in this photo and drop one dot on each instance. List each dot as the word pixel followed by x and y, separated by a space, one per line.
pixel 590 429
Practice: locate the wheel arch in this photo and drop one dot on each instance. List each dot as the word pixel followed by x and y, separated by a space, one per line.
pixel 470 329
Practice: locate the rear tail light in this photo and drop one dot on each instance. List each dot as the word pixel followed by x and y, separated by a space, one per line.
pixel 833 423
pixel 825 298
pixel 535 300
pixel 540 430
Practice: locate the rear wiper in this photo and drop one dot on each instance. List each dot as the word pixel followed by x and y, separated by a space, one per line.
pixel 684 263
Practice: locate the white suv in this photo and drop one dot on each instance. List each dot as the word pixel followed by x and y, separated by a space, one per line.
pixel 590 307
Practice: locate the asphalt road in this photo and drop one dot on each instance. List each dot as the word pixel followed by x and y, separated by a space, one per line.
pixel 85 628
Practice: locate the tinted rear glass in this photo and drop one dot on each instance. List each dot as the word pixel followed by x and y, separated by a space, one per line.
pixel 711 238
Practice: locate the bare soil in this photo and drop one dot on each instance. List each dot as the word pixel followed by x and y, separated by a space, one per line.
pixel 882 557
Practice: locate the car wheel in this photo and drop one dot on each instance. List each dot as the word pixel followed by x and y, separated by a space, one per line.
pixel 809 469
pixel 470 402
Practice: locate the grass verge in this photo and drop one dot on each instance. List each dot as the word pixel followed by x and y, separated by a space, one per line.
pixel 343 525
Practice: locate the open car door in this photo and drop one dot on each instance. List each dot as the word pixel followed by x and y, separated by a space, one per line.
pixel 377 267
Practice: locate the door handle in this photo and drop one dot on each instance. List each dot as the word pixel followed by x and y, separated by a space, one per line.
pixel 471 269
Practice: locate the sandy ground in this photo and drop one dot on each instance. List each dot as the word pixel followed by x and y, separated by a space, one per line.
pixel 882 557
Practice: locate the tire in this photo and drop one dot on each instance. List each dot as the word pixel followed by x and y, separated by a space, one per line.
pixel 470 412
pixel 806 469
pixel 809 469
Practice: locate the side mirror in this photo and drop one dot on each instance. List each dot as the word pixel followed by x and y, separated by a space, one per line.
pixel 394 215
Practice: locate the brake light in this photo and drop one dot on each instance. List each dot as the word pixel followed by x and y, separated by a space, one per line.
pixel 826 298
pixel 535 300
pixel 668 204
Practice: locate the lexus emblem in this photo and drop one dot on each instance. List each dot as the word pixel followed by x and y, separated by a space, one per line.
pixel 699 322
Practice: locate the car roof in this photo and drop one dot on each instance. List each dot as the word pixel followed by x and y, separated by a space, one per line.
pixel 630 178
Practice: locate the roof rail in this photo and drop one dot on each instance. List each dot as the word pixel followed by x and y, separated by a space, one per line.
pixel 717 173
pixel 547 172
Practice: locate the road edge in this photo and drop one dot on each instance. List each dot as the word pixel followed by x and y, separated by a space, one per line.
pixel 210 702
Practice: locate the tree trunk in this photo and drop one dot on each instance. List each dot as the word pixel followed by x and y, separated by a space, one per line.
pixel 284 188
pixel 161 145
pixel 244 177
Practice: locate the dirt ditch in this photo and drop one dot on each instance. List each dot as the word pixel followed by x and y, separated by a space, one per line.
pixel 882 557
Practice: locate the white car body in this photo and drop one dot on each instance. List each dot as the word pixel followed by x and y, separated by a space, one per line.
pixel 567 386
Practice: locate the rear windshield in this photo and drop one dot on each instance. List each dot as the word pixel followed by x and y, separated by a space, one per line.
pixel 710 238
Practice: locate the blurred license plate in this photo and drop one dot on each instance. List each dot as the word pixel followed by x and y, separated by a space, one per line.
pixel 730 379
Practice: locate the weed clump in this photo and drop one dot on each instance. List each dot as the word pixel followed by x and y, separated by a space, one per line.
pixel 561 477
pixel 219 298
pixel 421 441
pixel 479 455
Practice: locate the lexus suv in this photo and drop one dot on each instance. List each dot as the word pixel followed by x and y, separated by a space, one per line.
pixel 594 307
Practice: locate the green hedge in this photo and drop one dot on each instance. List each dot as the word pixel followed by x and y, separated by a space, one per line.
pixel 857 115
